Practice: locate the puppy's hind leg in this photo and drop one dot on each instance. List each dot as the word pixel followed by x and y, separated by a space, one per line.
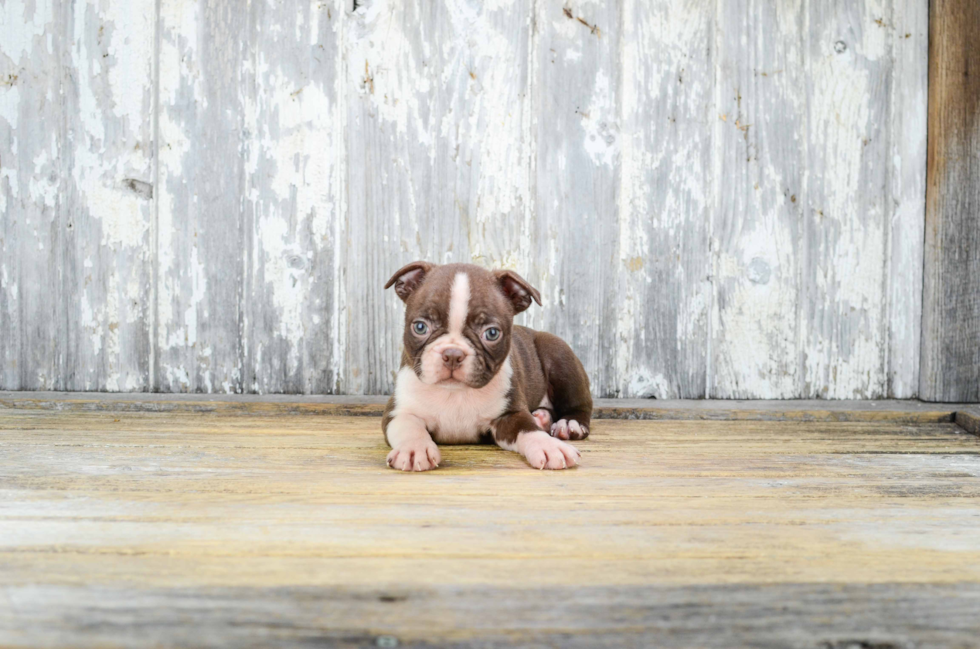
pixel 568 387
pixel 544 418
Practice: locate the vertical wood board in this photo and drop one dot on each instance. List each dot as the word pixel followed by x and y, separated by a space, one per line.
pixel 663 262
pixel 34 186
pixel 202 249
pixel 951 293
pixel 575 126
pixel 107 260
pixel 759 174
pixel 294 203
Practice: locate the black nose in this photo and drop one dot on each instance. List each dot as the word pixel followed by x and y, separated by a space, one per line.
pixel 453 358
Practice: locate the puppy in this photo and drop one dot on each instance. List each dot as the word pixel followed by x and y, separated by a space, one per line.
pixel 469 375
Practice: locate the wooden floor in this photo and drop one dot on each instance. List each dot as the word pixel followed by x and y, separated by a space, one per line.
pixel 237 529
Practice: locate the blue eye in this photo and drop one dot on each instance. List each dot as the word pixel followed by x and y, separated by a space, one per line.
pixel 492 334
pixel 420 327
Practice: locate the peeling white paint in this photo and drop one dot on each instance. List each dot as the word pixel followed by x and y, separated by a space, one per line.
pixel 10 109
pixel 288 283
pixel 599 122
pixel 21 22
pixel 388 74
pixel 690 194
pixel 199 282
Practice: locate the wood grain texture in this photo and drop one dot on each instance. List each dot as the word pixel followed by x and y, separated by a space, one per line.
pixel 201 243
pixel 295 202
pixel 107 264
pixel 291 527
pixel 575 126
pixel 716 200
pixel 664 259
pixel 798 616
pixel 760 129
pixel 34 194
pixel 908 116
pixel 77 209
pixel 951 301
pixel 843 200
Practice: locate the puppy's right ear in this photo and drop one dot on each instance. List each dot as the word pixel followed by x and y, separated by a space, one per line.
pixel 409 278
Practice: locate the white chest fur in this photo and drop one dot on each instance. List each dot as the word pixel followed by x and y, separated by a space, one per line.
pixel 453 415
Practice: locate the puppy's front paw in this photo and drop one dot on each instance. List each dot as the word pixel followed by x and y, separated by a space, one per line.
pixel 415 455
pixel 545 452
pixel 569 429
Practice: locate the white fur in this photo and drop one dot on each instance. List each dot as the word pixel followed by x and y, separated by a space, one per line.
pixel 546 403
pixel 543 451
pixel 459 304
pixel 433 369
pixel 412 449
pixel 453 414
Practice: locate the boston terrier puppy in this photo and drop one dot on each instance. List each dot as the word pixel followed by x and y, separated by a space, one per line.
pixel 469 375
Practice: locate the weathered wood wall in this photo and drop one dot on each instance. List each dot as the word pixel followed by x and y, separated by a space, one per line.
pixel 951 311
pixel 719 199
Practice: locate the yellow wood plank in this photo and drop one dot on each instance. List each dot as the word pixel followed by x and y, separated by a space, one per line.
pixel 188 500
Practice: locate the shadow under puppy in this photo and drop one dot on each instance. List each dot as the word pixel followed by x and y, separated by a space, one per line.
pixel 469 375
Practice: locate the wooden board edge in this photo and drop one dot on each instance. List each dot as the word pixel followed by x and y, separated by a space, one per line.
pixel 906 412
pixel 335 409
pixel 969 419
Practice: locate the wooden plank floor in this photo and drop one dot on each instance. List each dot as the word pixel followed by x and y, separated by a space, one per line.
pixel 231 529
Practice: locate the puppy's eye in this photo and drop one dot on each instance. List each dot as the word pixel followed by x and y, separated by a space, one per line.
pixel 492 334
pixel 420 328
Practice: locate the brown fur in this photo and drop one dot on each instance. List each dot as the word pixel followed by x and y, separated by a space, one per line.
pixel 544 365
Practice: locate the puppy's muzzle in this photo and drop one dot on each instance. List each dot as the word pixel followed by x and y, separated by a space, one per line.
pixel 452 358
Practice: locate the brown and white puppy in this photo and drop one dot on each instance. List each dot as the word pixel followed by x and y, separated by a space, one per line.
pixel 469 375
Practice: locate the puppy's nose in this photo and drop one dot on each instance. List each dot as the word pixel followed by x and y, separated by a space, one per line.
pixel 453 358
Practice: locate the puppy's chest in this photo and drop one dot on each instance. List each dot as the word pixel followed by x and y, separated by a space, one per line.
pixel 462 418
pixel 453 416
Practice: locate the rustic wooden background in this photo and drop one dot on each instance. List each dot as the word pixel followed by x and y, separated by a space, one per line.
pixel 718 198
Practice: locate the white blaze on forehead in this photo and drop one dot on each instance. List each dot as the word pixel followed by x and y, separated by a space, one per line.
pixel 459 303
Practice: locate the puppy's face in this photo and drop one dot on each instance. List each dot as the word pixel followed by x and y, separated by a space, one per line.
pixel 458 320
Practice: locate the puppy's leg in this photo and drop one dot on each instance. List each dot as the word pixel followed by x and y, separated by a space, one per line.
pixel 412 448
pixel 568 387
pixel 518 431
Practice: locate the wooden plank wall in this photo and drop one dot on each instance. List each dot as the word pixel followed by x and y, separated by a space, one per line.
pixel 717 199
pixel 951 310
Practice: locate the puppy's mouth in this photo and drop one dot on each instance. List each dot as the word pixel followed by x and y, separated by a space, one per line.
pixel 455 379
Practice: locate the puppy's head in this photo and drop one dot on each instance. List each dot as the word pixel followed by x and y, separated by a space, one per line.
pixel 458 320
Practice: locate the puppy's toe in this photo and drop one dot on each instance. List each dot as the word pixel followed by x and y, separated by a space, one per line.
pixel 560 429
pixel 414 456
pixel 543 452
pixel 577 430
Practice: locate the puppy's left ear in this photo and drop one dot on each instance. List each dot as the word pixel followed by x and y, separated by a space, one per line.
pixel 517 290
pixel 408 278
